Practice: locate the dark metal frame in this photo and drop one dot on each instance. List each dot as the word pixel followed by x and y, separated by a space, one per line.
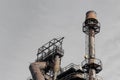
pixel 91 23
pixel 53 47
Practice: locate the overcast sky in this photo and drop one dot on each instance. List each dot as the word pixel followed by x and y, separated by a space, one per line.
pixel 25 25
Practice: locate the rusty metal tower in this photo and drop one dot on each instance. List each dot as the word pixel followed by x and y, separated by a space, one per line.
pixel 47 64
pixel 91 65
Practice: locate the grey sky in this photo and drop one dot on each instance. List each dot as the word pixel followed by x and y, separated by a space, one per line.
pixel 25 25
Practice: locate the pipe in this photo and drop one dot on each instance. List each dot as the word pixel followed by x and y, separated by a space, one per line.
pixel 91 43
pixel 36 70
pixel 56 66
pixel 92 72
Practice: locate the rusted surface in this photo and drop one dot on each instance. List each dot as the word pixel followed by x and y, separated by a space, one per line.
pixel 78 75
pixel 91 14
pixel 92 74
pixel 36 70
pixel 91 43
pixel 47 77
pixel 56 66
pixel 74 76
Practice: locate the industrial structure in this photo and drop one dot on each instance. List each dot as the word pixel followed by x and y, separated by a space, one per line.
pixel 47 66
pixel 91 65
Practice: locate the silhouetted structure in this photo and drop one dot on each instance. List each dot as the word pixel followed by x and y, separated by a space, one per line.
pixel 47 64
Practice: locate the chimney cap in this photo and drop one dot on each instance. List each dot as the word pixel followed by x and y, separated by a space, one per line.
pixel 91 14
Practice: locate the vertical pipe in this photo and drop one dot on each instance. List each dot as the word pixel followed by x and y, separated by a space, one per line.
pixel 91 27
pixel 56 66
pixel 92 72
pixel 91 43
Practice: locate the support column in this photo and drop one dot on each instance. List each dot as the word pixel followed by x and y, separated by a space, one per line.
pixel 56 66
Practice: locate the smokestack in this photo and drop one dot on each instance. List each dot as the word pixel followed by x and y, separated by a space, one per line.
pixel 91 27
